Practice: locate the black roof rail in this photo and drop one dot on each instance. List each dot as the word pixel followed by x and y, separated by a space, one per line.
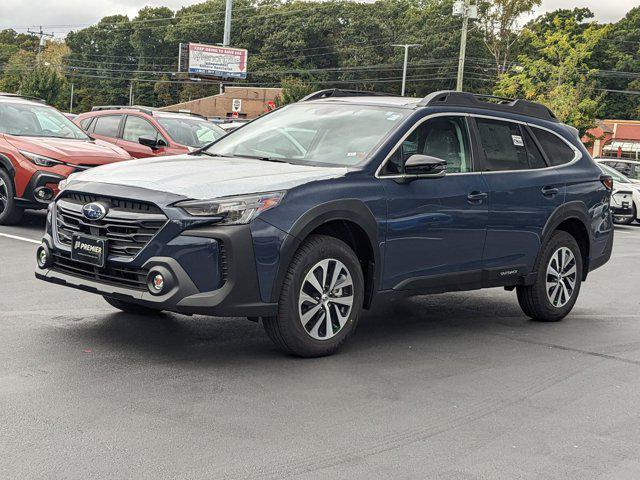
pixel 452 98
pixel 140 108
pixel 24 97
pixel 338 92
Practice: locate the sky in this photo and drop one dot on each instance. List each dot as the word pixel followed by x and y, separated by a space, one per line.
pixel 60 16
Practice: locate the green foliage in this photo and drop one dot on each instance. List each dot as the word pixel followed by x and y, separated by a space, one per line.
pixel 294 89
pixel 556 72
pixel 43 82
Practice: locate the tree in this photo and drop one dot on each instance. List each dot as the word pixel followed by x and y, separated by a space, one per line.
pixel 498 21
pixel 293 89
pixel 557 73
pixel 44 82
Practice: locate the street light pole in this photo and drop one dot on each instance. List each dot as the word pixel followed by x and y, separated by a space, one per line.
pixel 406 47
pixel 467 11
pixel 226 39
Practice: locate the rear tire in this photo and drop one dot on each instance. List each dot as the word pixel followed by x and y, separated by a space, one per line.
pixel 552 296
pixel 10 213
pixel 133 308
pixel 320 301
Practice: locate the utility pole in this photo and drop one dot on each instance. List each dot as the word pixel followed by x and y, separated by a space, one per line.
pixel 226 39
pixel 131 93
pixel 406 47
pixel 467 11
pixel 71 101
pixel 42 41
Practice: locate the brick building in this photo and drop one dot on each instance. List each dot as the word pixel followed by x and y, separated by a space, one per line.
pixel 251 101
pixel 614 138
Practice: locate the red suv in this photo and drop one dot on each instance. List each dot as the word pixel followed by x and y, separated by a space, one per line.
pixel 146 132
pixel 39 147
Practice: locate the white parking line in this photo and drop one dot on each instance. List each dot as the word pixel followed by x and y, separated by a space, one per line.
pixel 15 237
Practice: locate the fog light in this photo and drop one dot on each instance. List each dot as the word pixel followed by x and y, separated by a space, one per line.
pixel 157 282
pixel 43 193
pixel 43 258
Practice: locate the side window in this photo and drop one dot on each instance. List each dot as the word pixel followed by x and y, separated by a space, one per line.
pixel 107 125
pixel 504 146
pixel 136 127
pixel 536 159
pixel 558 152
pixel 85 123
pixel 446 138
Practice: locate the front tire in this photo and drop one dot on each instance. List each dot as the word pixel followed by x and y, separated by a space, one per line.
pixel 129 307
pixel 320 301
pixel 558 281
pixel 10 213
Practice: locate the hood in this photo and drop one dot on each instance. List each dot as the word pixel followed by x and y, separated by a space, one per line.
pixel 201 177
pixel 85 152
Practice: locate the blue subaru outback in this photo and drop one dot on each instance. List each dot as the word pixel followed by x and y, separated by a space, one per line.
pixel 309 214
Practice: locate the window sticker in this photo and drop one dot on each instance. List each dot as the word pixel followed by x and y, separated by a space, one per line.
pixel 517 140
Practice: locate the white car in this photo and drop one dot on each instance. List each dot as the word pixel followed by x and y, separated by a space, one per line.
pixel 625 199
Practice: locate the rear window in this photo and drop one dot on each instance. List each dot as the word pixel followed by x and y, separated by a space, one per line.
pixel 503 144
pixel 556 149
pixel 107 125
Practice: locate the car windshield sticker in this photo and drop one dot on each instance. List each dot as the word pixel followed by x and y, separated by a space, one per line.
pixel 517 140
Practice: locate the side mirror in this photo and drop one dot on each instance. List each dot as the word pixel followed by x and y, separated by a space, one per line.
pixel 152 143
pixel 425 166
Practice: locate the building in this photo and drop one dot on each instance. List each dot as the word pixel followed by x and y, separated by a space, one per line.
pixel 246 102
pixel 614 138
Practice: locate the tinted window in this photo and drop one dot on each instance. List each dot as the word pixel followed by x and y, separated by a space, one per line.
pixel 536 160
pixel 558 152
pixel 136 127
pixel 107 125
pixel 443 137
pixel 504 146
pixel 34 120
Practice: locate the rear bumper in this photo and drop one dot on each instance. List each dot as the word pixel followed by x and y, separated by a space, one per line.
pixel 211 272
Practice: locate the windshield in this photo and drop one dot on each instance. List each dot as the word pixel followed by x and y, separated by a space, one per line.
pixel 613 173
pixel 29 120
pixel 308 133
pixel 192 132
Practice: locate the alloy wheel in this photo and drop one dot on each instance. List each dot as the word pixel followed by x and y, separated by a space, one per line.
pixel 561 277
pixel 4 196
pixel 326 299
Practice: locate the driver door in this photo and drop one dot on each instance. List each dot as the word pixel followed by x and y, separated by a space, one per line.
pixel 436 227
pixel 134 128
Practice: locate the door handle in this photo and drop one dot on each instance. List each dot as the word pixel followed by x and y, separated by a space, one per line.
pixel 550 191
pixel 476 197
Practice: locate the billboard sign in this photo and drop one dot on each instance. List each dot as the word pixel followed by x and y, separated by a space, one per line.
pixel 212 61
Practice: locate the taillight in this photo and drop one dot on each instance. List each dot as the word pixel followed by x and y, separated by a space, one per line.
pixel 607 181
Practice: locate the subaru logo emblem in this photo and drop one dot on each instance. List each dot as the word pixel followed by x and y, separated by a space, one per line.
pixel 94 211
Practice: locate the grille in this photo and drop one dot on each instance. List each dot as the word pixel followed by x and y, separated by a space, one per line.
pixel 115 275
pixel 129 225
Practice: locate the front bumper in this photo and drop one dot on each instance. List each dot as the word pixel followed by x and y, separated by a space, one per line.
pixel 212 272
pixel 39 180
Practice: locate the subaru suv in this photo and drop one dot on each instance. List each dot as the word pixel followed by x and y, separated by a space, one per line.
pixel 39 147
pixel 313 212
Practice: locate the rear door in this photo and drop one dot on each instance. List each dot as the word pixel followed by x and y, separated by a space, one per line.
pixel 106 127
pixel 524 191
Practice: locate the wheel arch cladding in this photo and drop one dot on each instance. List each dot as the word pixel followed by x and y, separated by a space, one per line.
pixel 348 220
pixel 573 219
pixel 5 164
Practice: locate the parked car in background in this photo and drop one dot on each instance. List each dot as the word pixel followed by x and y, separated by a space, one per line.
pixel 147 132
pixel 629 168
pixel 39 147
pixel 625 200
pixel 317 210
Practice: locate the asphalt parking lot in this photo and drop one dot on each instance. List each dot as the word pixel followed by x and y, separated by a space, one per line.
pixel 456 386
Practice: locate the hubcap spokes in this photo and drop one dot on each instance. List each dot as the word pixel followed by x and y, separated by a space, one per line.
pixel 4 196
pixel 561 277
pixel 326 299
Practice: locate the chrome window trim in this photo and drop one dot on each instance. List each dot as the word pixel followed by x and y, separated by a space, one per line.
pixel 577 153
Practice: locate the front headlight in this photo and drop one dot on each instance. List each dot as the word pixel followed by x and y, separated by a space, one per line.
pixel 235 210
pixel 40 160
